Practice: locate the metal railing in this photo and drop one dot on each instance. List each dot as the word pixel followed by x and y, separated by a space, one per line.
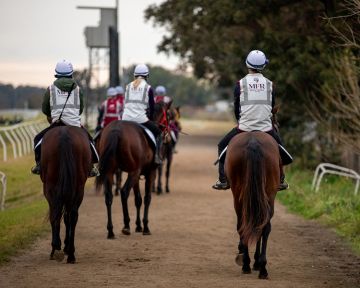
pixel 20 137
pixel 3 190
pixel 327 168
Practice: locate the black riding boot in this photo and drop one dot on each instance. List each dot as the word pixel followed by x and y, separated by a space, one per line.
pixel 222 183
pixel 36 169
pixel 283 185
pixel 157 157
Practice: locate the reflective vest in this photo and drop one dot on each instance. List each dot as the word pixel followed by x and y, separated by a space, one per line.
pixel 136 102
pixel 71 113
pixel 162 98
pixel 255 103
pixel 112 110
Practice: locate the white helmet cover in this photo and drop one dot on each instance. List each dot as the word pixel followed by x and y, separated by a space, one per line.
pixel 111 92
pixel 141 70
pixel 119 90
pixel 63 68
pixel 256 60
pixel 160 90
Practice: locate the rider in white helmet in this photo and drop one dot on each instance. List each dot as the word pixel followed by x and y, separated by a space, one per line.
pixel 63 105
pixel 253 103
pixel 160 95
pixel 139 96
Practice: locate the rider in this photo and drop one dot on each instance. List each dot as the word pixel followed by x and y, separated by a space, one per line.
pixel 111 108
pixel 138 97
pixel 63 105
pixel 160 95
pixel 120 98
pixel 253 103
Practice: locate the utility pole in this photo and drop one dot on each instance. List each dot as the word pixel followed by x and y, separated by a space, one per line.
pixel 114 50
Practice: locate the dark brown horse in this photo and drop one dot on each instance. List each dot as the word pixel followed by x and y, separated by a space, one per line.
pixel 65 166
pixel 124 146
pixel 252 167
pixel 173 128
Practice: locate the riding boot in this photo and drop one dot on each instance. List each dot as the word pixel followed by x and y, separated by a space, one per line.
pixel 283 185
pixel 157 157
pixel 36 169
pixel 222 183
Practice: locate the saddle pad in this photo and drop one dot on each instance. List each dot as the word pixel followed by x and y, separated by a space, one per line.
pixel 149 134
pixel 284 155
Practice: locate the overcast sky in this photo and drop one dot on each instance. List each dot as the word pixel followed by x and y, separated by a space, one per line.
pixel 35 34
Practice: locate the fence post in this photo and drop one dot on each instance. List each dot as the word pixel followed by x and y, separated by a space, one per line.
pixel 4 147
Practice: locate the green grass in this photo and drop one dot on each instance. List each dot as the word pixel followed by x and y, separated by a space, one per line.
pixel 24 217
pixel 334 204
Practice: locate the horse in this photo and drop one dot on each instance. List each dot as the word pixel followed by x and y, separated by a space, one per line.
pixel 168 148
pixel 252 166
pixel 124 146
pixel 65 166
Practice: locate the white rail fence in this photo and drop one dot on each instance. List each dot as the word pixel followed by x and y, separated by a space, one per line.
pixel 327 168
pixel 3 190
pixel 20 137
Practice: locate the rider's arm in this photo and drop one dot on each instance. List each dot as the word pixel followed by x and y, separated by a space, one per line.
pixel 151 103
pixel 46 103
pixel 237 108
pixel 81 95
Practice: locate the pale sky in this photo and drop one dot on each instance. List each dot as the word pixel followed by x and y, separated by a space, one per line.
pixel 35 34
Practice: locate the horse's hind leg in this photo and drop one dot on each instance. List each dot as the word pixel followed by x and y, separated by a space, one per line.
pixel 56 253
pixel 73 218
pixel 147 200
pixel 130 182
pixel 262 259
pixel 108 202
pixel 256 265
pixel 243 257
pixel 118 182
pixel 138 202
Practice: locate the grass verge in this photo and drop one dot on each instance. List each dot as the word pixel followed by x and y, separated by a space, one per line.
pixel 24 217
pixel 334 204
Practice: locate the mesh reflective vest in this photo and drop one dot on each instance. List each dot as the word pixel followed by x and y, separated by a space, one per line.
pixel 256 103
pixel 71 113
pixel 112 110
pixel 136 102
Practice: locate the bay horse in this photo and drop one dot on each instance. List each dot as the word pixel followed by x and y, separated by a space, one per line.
pixel 252 166
pixel 65 166
pixel 172 131
pixel 124 146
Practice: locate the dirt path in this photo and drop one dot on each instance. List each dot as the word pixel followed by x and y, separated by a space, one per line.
pixel 194 242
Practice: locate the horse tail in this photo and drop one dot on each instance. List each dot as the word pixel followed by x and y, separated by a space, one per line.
pixel 110 152
pixel 256 209
pixel 65 190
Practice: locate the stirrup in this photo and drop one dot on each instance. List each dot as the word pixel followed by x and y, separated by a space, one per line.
pixel 283 186
pixel 94 172
pixel 36 169
pixel 221 185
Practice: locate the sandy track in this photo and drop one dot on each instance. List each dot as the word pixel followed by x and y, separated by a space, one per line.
pixel 194 242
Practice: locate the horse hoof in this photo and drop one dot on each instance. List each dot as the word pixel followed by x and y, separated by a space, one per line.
pixel 264 276
pixel 71 260
pixel 111 235
pixel 246 270
pixel 126 231
pixel 167 190
pixel 58 255
pixel 146 232
pixel 239 259
pixel 138 229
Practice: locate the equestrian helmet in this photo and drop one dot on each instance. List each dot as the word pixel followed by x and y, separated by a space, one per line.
pixel 141 70
pixel 256 60
pixel 63 68
pixel 111 92
pixel 119 90
pixel 160 90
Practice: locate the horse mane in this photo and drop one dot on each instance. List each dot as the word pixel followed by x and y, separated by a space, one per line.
pixel 256 209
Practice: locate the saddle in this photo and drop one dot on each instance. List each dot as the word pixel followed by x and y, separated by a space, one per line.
pixel 285 156
pixel 149 135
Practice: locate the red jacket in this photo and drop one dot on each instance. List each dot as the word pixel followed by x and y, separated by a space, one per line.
pixel 112 110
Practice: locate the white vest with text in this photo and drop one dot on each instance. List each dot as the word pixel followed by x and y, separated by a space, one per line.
pixel 71 114
pixel 255 103
pixel 136 102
